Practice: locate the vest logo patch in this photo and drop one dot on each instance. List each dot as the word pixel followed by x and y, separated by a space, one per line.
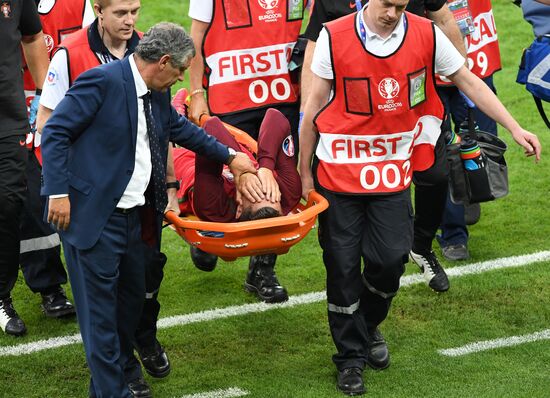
pixel 388 88
pixel 268 4
pixel 288 146
pixel 270 14
pixel 5 9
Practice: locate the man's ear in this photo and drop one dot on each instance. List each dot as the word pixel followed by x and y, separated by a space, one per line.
pixel 164 61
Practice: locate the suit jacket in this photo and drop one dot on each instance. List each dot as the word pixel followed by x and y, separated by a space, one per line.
pixel 89 145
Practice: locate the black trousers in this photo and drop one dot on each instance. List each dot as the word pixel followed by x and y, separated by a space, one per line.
pixel 40 245
pixel 378 230
pixel 13 160
pixel 431 188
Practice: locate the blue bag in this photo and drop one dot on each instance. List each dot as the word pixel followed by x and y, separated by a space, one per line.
pixel 534 72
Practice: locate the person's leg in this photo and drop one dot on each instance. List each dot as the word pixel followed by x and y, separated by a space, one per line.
pixel 385 247
pixel 431 188
pixel 152 354
pixel 341 228
pixel 95 281
pixel 40 250
pixel 13 159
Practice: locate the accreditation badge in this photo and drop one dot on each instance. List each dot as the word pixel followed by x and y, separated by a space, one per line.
pixel 295 9
pixel 417 87
pixel 5 8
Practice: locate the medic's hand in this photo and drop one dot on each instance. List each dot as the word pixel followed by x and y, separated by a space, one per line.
pixel 528 141
pixel 59 212
pixel 197 108
pixel 173 203
pixel 33 111
pixel 270 187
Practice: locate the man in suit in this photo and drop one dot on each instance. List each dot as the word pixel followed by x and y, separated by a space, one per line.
pixel 104 152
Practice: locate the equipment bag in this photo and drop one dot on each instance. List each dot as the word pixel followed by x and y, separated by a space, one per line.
pixel 478 170
pixel 534 72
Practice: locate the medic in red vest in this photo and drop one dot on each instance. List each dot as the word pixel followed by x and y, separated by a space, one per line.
pixel 391 112
pixel 265 32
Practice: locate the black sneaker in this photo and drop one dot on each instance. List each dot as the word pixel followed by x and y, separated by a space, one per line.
pixel 350 381
pixel 262 281
pixel 9 320
pixel 456 252
pixel 378 356
pixel 434 274
pixel 204 261
pixel 56 304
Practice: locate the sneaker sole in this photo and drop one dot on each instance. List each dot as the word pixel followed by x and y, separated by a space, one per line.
pixel 270 300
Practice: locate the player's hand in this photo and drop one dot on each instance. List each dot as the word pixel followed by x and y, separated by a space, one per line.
pixel 250 186
pixel 59 212
pixel 270 187
pixel 241 164
pixel 528 141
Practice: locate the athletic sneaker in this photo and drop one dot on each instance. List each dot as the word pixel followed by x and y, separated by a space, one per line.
pixel 9 320
pixel 434 274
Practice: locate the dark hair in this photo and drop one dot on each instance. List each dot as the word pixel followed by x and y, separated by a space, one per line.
pixel 261 213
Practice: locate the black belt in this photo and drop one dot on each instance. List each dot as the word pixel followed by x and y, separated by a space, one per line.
pixel 125 211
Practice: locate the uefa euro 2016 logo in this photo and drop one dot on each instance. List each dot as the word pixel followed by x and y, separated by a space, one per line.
pixel 268 4
pixel 388 88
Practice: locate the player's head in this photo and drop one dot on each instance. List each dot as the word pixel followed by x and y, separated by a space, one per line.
pixel 260 210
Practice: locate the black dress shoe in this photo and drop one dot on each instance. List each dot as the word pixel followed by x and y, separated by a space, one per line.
pixel 350 381
pixel 155 361
pixel 56 304
pixel 378 356
pixel 204 261
pixel 139 388
pixel 262 281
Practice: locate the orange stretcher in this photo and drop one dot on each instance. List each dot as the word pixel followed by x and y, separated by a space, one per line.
pixel 248 238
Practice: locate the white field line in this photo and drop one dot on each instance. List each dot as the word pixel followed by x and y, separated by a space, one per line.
pixel 497 343
pixel 228 393
pixel 308 298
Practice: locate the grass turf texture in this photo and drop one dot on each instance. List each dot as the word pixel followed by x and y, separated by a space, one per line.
pixel 286 352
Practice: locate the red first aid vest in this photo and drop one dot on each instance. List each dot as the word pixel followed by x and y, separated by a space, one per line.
pixel 246 52
pixel 482 44
pixel 59 18
pixel 385 116
pixel 483 51
pixel 80 56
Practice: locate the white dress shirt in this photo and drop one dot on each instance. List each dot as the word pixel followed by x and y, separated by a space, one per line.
pixel 134 195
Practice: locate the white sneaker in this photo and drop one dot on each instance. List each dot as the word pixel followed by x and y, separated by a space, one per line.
pixel 9 320
pixel 434 274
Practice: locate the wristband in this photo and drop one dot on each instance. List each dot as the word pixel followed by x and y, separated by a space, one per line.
pixel 173 184
pixel 197 91
pixel 38 91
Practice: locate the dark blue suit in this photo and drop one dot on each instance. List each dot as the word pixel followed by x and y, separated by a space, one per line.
pixel 88 148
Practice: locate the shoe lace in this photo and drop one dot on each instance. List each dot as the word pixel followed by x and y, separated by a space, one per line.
pixel 7 307
pixel 433 262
